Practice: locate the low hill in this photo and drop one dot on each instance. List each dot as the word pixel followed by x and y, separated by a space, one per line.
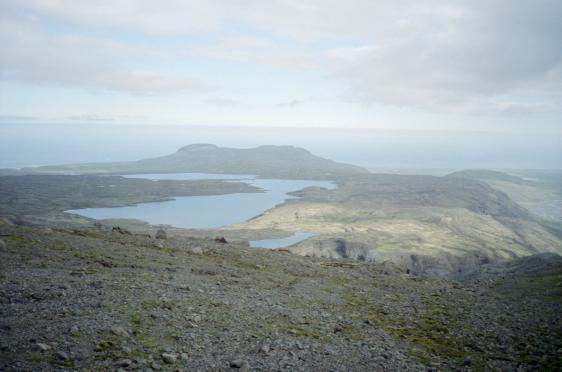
pixel 264 161
pixel 486 174
pixel 540 191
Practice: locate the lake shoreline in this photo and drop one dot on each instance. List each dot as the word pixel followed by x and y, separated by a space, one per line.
pixel 206 211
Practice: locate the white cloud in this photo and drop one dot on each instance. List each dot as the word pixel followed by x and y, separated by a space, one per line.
pixel 464 60
pixel 154 17
pixel 461 55
pixel 31 56
pixel 292 103
pixel 172 17
pixel 223 102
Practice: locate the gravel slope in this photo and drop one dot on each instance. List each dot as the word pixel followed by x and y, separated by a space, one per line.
pixel 107 300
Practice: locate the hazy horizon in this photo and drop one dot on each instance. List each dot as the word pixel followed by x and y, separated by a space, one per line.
pixel 48 144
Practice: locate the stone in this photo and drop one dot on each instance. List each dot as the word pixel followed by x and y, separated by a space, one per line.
pixel 43 347
pixel 184 356
pixel 2 244
pixel 240 364
pixel 119 331
pixel 121 231
pixel 196 250
pixel 124 362
pixel 74 330
pixel 221 240
pixel 62 355
pixel 169 358
pixel 102 346
pixel 265 349
pixel 7 222
pixel 161 234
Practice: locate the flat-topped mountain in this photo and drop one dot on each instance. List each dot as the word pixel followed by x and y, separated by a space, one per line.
pixel 264 161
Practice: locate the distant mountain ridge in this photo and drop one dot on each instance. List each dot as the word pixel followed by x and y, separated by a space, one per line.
pixel 487 174
pixel 264 161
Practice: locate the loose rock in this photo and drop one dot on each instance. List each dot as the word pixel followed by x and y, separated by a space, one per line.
pixel 161 234
pixel 265 349
pixel 43 347
pixel 74 330
pixel 240 364
pixel 119 331
pixel 62 355
pixel 124 362
pixel 169 358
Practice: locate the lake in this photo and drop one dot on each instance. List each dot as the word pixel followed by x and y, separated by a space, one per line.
pixel 208 211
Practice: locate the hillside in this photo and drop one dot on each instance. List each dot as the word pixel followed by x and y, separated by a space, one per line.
pixel 540 191
pixel 445 226
pixel 98 299
pixel 264 161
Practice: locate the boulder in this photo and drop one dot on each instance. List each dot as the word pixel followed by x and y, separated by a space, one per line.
pixel 161 234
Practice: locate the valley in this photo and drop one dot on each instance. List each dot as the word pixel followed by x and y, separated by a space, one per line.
pixel 433 225
pixel 392 272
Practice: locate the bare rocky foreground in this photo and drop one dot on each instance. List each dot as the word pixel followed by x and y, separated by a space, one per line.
pixel 95 299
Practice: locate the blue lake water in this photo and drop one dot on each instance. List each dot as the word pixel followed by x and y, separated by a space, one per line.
pixel 297 237
pixel 208 211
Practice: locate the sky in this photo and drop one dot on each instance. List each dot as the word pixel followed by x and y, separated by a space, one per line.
pixel 423 65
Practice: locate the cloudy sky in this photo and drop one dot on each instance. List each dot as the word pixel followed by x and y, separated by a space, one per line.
pixel 425 64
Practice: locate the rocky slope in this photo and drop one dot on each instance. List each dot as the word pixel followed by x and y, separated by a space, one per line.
pixel 96 299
